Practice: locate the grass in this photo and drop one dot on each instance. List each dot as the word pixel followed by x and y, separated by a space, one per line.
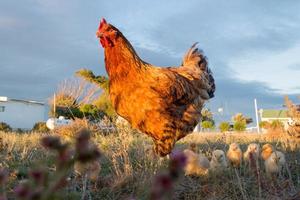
pixel 128 168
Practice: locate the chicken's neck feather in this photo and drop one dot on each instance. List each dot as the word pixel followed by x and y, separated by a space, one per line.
pixel 122 60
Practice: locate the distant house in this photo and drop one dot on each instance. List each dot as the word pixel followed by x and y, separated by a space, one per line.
pixel 21 113
pixel 271 115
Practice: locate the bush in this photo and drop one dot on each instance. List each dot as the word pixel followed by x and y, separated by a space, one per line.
pixel 224 126
pixel 40 127
pixel 19 130
pixel 239 117
pixel 239 126
pixel 5 127
pixel 67 112
pixel 207 124
pixel 91 111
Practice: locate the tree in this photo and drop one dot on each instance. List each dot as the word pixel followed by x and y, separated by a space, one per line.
pixel 239 117
pixel 224 126
pixel 239 126
pixel 5 127
pixel 207 125
pixel 240 122
pixel 40 127
pixel 103 102
pixel 101 81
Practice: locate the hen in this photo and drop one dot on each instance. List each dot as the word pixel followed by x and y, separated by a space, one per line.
pixel 162 102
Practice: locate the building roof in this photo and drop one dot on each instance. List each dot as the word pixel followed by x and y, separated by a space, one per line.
pixel 6 99
pixel 274 114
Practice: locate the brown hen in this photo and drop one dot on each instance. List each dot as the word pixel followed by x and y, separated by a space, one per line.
pixel 162 102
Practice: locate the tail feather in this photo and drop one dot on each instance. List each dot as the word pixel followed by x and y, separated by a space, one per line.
pixel 195 58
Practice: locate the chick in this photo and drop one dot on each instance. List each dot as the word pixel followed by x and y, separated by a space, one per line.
pixel 234 155
pixel 275 163
pixel 267 150
pixel 197 164
pixel 218 160
pixel 253 149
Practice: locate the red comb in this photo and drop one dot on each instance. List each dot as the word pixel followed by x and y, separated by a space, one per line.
pixel 103 21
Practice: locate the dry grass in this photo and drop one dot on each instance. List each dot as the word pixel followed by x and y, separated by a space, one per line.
pixel 69 131
pixel 128 167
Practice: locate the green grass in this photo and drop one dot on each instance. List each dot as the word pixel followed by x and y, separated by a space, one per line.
pixel 128 167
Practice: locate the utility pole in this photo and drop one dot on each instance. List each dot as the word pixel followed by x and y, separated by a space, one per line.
pixel 256 115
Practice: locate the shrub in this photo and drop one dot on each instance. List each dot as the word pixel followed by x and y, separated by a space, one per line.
pixel 224 126
pixel 207 124
pixel 239 117
pixel 103 102
pixel 239 126
pixel 5 127
pixel 19 130
pixel 40 127
pixel 90 111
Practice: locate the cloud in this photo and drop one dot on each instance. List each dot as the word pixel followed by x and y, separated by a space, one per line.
pixel 44 42
pixel 272 68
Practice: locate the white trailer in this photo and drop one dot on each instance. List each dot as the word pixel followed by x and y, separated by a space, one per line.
pixel 22 114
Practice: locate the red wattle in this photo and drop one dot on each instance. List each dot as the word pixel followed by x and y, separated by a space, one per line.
pixel 102 42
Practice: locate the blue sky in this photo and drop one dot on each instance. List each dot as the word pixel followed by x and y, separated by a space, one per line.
pixel 253 46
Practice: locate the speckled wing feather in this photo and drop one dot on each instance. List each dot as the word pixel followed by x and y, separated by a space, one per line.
pixel 195 68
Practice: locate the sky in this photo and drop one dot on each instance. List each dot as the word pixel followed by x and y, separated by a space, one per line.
pixel 253 46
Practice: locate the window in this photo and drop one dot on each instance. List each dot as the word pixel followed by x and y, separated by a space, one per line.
pixel 2 108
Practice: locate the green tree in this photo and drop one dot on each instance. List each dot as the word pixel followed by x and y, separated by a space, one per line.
pixel 101 81
pixel 91 111
pixel 239 126
pixel 103 102
pixel 40 127
pixel 239 117
pixel 5 127
pixel 207 125
pixel 224 126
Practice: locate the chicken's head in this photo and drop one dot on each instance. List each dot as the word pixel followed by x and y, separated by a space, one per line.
pixel 253 147
pixel 218 155
pixel 107 33
pixel 234 147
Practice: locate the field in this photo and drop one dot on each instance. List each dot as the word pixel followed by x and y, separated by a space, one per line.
pixel 128 168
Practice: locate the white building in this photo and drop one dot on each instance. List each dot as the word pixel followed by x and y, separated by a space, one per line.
pixel 21 113
pixel 270 115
